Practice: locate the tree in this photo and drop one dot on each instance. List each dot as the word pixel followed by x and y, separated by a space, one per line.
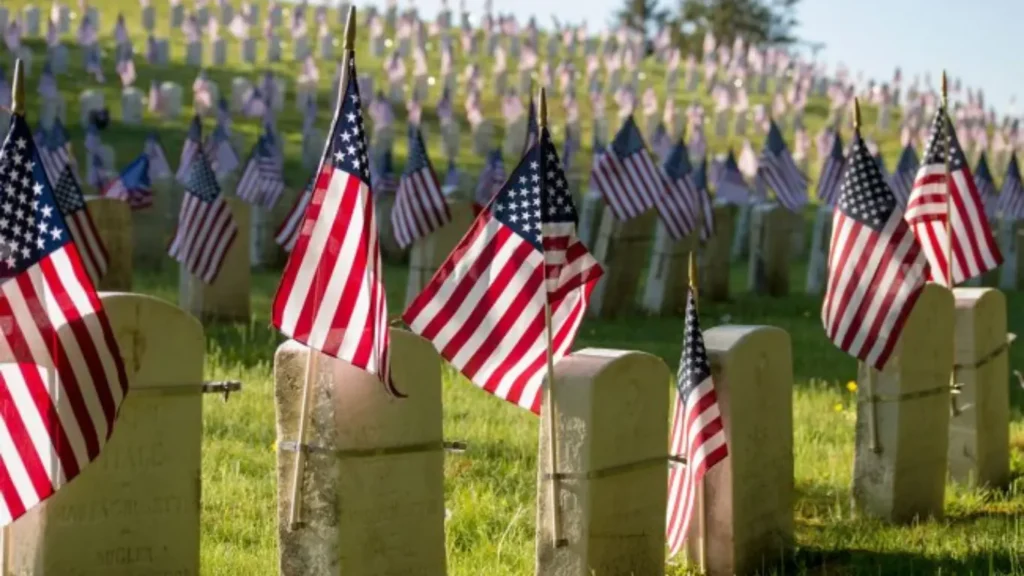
pixel 642 15
pixel 756 21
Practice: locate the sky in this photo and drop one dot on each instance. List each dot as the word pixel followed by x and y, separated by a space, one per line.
pixel 979 42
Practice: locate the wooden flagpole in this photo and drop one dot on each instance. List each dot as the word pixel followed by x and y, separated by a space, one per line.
pixel 295 510
pixel 18 108
pixel 556 482
pixel 954 408
pixel 702 528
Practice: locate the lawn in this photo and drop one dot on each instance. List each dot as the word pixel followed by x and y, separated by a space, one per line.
pixel 490 489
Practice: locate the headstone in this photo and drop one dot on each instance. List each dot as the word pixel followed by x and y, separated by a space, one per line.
pixel 5 16
pixel 203 15
pixel 88 101
pixel 194 54
pixel 668 275
pixel 63 19
pixel 301 48
pixel 749 498
pixel 113 220
pixel 136 507
pixel 798 234
pixel 131 105
pixel 152 228
pixel 275 14
pixel 611 431
pixel 27 57
pixel 58 59
pixel 390 250
pixel 979 430
pixel 170 100
pixel 94 16
pixel 622 249
pixel 360 513
pixel 148 18
pixel 1009 244
pixel 164 50
pixel 741 234
pixel 312 148
pixel 427 254
pixel 715 264
pixel 227 13
pixel 817 266
pixel 327 47
pixel 30 16
pixel 274 49
pixel 228 297
pixel 52 108
pixel 177 15
pixel 220 52
pixel 239 88
pixel 899 471
pixel 771 236
pixel 515 137
pixel 249 50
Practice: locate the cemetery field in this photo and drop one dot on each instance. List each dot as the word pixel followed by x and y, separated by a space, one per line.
pixel 490 489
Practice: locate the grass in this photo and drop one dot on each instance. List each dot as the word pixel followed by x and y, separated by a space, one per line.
pixel 490 490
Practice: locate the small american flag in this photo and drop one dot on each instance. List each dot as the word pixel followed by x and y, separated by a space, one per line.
pixel 902 179
pixel 831 173
pixel 158 165
pixel 491 179
pixel 206 228
pixel 192 145
pixel 262 181
pixel 986 186
pixel 1011 197
pixel 221 153
pixel 677 206
pixel 626 175
pixel 731 186
pixel 254 104
pixel 288 233
pixel 781 173
pixel 531 126
pixel 420 207
pixel 80 225
pixel 484 309
pixel 126 70
pixel 974 249
pixel 133 184
pixel 63 381
pixel 382 173
pixel 697 434
pixel 331 295
pixel 55 150
pixel 876 268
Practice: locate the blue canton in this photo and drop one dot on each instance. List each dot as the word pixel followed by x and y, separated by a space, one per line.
pixel 202 182
pixel 628 141
pixel 982 172
pixel 418 159
pixel 31 225
pixel 67 192
pixel 942 137
pixel 693 366
pixel 348 138
pixel 774 142
pixel 864 195
pixel 677 165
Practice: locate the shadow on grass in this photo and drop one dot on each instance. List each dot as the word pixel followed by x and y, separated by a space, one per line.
pixel 854 561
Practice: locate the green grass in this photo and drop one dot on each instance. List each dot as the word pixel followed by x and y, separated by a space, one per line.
pixel 490 490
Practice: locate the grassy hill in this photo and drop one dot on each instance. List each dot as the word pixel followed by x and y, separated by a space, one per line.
pixel 490 490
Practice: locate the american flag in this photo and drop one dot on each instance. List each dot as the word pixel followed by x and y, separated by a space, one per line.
pixel 206 228
pixel 902 179
pixel 986 186
pixel 262 181
pixel 63 381
pixel 974 249
pixel 158 165
pixel 254 104
pixel 192 145
pixel 1011 197
pixel 80 225
pixel 484 309
pixel 288 233
pixel 55 150
pixel 491 179
pixel 677 206
pixel 731 186
pixel 876 268
pixel 126 69
pixel 626 175
pixel 531 126
pixel 697 434
pixel 420 207
pixel 781 173
pixel 93 65
pixel 831 172
pixel 331 295
pixel 382 173
pixel 133 184
pixel 223 158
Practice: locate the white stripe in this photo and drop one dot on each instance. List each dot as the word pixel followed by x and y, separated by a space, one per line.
pixel 9 453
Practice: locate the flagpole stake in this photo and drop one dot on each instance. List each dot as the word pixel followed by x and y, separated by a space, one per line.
pixel 954 408
pixel 702 529
pixel 295 510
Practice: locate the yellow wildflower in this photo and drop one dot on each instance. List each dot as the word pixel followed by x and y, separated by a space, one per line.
pixel 838 407
pixel 851 386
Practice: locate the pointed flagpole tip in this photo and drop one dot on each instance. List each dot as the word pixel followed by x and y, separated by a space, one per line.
pixel 18 89
pixel 945 89
pixel 350 29
pixel 856 113
pixel 693 273
pixel 542 108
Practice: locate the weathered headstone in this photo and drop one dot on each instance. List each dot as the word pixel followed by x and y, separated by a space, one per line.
pixel 611 430
pixel 326 47
pixel 748 498
pixel 5 16
pixel 220 52
pixel 88 101
pixel 427 254
pixel 228 297
pixel 249 50
pixel 164 50
pixel 312 148
pixel 275 15
pixel 177 15
pixel 979 430
pixel 30 17
pixel 817 265
pixel 771 254
pixel 1009 241
pixel 622 249
pixel 152 228
pixel 274 49
pixel 57 56
pixel 63 19
pixel 194 54
pixel 131 105
pixel 668 275
pixel 52 108
pixel 360 514
pixel 113 220
pixel 93 14
pixel 901 451
pixel 148 18
pixel 715 263
pixel 203 15
pixel 137 506
pixel 170 100
pixel 798 236
pixel 741 233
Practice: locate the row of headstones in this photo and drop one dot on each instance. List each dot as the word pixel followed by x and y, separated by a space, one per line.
pixel 31 18
pixel 373 482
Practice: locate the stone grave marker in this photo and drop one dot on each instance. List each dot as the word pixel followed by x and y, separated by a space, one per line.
pixel 390 250
pixel 249 50
pixel 515 137
pixel 5 17
pixel 714 262
pixel 227 13
pixel 668 275
pixel 979 430
pixel 88 101
pixel 52 108
pixel 749 497
pixel 771 236
pixel 63 19
pixel 30 16
pixel 164 49
pixel 94 16
pixel 177 15
pixel 741 233
pixel 228 297
pixel 798 237
pixel 113 220
pixel 622 249
pixel 170 100
pixel 327 47
pixel 611 438
pixel 203 15
pixel 300 48
pixel 131 105
pixel 900 462
pixel 220 52
pixel 152 227
pixel 58 58
pixel 821 239
pixel 194 54
pixel 427 254
pixel 275 15
pixel 312 148
pixel 1009 245
pixel 274 49
pixel 136 508
pixel 360 514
